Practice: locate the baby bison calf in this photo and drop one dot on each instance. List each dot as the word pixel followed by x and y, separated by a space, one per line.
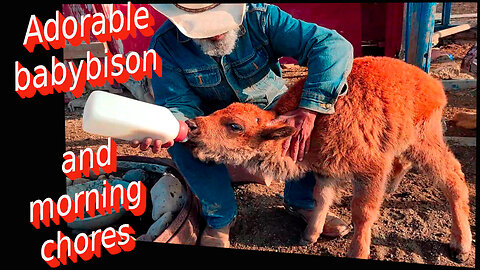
pixel 390 118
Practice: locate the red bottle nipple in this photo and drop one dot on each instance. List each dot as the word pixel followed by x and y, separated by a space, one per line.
pixel 182 132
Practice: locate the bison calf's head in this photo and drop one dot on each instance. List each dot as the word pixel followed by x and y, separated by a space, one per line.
pixel 236 135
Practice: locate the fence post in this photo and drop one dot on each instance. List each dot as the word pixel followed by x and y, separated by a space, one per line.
pixel 446 11
pixel 419 28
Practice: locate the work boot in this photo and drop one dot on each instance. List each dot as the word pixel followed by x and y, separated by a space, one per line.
pixel 216 237
pixel 333 227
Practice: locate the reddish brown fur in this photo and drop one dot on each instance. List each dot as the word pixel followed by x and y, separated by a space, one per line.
pixel 390 117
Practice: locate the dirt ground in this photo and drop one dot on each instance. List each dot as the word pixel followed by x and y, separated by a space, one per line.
pixel 414 222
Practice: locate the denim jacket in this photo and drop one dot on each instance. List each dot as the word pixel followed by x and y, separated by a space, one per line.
pixel 194 84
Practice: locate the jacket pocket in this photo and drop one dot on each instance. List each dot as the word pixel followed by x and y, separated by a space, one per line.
pixel 253 64
pixel 203 78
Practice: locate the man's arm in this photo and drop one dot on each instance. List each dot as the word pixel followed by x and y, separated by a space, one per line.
pixel 173 92
pixel 326 53
pixel 328 57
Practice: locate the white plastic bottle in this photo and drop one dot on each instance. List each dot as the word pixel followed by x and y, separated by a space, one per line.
pixel 120 117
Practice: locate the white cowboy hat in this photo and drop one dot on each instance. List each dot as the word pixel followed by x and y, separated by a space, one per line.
pixel 203 20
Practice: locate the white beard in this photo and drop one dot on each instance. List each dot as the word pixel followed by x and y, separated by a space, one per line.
pixel 221 47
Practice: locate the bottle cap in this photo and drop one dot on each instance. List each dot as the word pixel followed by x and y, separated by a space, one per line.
pixel 182 132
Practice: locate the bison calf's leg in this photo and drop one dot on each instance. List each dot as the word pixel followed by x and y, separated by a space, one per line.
pixel 368 191
pixel 456 191
pixel 324 195
pixel 432 154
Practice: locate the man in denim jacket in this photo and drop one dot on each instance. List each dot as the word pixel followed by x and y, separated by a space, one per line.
pixel 206 67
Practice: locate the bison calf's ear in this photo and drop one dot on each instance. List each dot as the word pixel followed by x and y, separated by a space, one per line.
pixel 275 133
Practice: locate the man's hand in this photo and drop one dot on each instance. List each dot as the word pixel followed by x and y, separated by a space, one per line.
pixel 299 143
pixel 147 143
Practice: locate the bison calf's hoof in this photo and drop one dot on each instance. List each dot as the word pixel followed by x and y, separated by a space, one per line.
pixel 305 242
pixel 358 255
pixel 458 256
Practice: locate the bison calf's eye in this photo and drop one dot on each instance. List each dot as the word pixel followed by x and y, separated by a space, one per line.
pixel 235 127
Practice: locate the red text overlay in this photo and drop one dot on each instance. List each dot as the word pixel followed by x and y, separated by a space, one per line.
pixel 89 204
pixel 64 77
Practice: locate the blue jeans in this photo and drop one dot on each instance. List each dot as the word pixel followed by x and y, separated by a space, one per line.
pixel 212 185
